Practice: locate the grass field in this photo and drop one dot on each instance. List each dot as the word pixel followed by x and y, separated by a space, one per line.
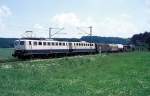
pixel 121 74
pixel 5 53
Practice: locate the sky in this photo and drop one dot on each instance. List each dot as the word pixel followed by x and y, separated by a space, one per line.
pixel 109 18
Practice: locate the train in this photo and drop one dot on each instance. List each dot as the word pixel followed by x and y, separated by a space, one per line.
pixel 112 48
pixel 24 48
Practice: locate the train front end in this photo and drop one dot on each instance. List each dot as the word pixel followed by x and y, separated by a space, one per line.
pixel 19 48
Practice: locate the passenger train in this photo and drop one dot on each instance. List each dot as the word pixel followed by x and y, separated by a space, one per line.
pixel 32 48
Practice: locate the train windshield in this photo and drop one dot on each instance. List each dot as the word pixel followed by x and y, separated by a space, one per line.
pixel 21 42
pixel 16 43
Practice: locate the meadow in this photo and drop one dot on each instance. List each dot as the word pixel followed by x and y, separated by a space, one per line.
pixel 6 55
pixel 115 74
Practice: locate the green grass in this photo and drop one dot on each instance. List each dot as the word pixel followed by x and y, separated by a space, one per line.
pixel 121 74
pixel 6 55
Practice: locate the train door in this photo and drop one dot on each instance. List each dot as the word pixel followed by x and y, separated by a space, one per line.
pixel 30 45
pixel 70 47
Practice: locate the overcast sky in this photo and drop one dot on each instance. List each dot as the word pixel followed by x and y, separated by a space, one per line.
pixel 111 18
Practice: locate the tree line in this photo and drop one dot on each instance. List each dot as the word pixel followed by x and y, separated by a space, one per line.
pixel 9 42
pixel 142 39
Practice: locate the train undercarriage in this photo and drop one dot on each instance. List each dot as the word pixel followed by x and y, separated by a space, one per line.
pixel 27 54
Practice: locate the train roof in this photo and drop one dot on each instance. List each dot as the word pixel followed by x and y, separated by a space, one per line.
pixel 47 40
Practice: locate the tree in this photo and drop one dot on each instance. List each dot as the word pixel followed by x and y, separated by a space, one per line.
pixel 142 39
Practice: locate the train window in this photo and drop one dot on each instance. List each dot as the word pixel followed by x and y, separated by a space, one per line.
pixel 44 43
pixel 84 44
pixel 60 44
pixel 56 43
pixel 77 44
pixel 48 43
pixel 40 43
pixel 63 44
pixel 70 43
pixel 52 43
pixel 30 43
pixel 35 43
pixel 16 42
pixel 21 42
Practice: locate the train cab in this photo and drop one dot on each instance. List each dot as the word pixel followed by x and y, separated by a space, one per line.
pixel 19 44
